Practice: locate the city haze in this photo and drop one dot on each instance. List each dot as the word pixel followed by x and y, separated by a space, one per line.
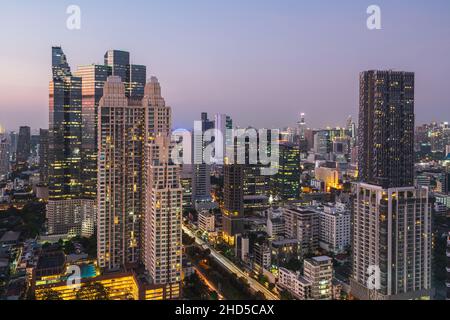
pixel 262 62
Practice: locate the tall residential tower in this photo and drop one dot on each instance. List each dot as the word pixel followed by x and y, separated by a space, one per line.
pixel 391 218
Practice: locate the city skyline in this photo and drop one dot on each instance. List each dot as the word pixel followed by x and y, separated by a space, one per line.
pixel 315 164
pixel 293 49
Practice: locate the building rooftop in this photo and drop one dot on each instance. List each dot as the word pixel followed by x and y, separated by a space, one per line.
pixel 284 242
pixel 319 260
pixel 10 236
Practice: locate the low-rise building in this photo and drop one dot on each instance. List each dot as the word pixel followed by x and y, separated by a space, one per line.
pixel 315 283
pixel 206 221
pixel 284 250
pixel 261 257
pixel 334 229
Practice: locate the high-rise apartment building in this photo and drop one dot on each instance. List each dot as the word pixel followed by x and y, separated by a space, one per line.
pixel 93 78
pixel 163 218
pixel 121 133
pixel 162 244
pixel 391 237
pixel 386 128
pixel 139 191
pixel 391 218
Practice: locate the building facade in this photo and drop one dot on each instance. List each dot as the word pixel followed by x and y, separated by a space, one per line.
pixel 391 218
pixel 120 177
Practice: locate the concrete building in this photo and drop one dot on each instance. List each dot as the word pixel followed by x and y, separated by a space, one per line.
pixel 391 234
pixel 319 271
pixel 391 218
pixel 284 250
pixel 314 284
pixel 233 207
pixel 275 227
pixel 329 176
pixel 72 217
pixel 161 238
pixel 5 148
pixel 23 147
pixel 206 221
pixel 43 155
pixel 262 257
pixel 163 217
pixel 121 132
pixel 303 225
pixel 335 228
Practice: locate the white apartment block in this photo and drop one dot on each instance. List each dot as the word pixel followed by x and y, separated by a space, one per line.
pixel 319 271
pixel 392 238
pixel 206 221
pixel 335 228
pixel 316 282
pixel 303 224
pixel 163 217
pixel 72 217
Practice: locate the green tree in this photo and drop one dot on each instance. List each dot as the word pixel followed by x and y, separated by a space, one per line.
pixel 49 294
pixel 92 291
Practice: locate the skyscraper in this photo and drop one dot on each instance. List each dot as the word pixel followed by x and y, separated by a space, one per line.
pixel 222 123
pixel 93 78
pixel 163 197
pixel 233 202
pixel 23 147
pixel 139 190
pixel 43 155
pixel 5 147
pixel 286 182
pixel 163 216
pixel 133 76
pixel 66 209
pixel 386 128
pixel 391 218
pixel 201 171
pixel 120 193
pixel 64 130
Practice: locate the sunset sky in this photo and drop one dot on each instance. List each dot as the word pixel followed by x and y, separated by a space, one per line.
pixel 262 62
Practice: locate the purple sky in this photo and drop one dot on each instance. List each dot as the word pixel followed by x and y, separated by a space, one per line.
pixel 262 62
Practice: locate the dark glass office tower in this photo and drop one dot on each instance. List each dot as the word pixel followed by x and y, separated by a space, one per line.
pixel 93 79
pixel 286 182
pixel 201 186
pixel 133 76
pixel 233 202
pixel 64 153
pixel 43 155
pixel 386 128
pixel 23 147
pixel 391 218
